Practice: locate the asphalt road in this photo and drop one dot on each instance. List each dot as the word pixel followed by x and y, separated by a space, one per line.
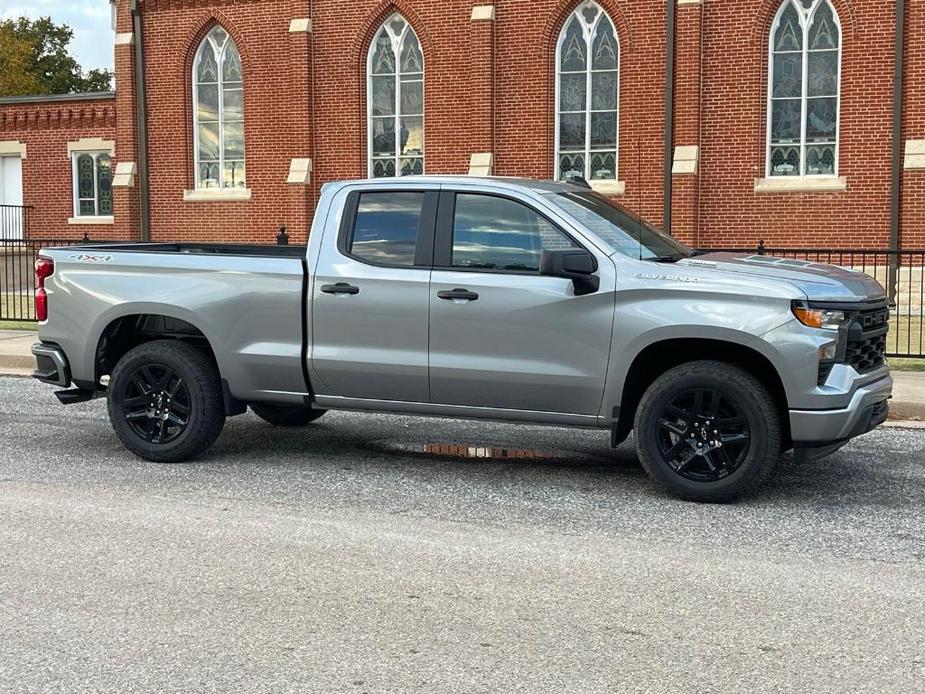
pixel 326 559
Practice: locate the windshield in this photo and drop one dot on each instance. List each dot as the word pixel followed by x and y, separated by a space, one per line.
pixel 623 231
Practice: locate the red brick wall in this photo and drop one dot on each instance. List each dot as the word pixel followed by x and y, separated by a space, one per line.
pixel 913 190
pixel 489 86
pixel 46 128
pixel 733 148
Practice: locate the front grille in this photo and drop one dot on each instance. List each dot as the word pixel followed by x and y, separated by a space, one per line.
pixel 866 346
pixel 867 354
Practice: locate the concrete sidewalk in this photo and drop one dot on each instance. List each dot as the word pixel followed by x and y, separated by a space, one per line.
pixel 908 395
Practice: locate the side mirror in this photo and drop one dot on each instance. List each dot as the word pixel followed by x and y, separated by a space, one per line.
pixel 575 264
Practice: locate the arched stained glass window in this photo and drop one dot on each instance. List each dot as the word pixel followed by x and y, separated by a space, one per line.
pixel 218 112
pixel 395 101
pixel 587 91
pixel 803 93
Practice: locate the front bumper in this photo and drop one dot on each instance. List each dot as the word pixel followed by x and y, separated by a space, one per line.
pixel 51 365
pixel 866 410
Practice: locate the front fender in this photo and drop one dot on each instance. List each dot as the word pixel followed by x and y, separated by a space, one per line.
pixel 642 322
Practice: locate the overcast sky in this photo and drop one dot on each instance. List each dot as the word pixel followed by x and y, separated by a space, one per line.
pixel 90 20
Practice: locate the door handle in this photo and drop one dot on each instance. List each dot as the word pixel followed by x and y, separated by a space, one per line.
pixel 340 288
pixel 457 295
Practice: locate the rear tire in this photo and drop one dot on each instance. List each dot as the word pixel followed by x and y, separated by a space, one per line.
pixel 708 431
pixel 286 416
pixel 165 401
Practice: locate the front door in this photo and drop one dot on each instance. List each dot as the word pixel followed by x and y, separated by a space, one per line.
pixel 502 335
pixel 370 297
pixel 11 217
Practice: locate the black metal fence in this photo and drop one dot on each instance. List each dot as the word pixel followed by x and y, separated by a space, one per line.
pixel 902 273
pixel 17 276
pixel 14 222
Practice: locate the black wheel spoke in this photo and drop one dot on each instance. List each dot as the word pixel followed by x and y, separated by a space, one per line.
pixel 172 391
pixel 673 426
pixel 686 460
pixel 732 439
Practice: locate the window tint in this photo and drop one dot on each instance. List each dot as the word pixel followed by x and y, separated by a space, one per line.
pixel 386 227
pixel 496 233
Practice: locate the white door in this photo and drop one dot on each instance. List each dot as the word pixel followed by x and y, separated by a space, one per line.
pixel 11 220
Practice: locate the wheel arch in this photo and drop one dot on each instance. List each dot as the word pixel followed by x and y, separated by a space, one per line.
pixel 660 356
pixel 127 330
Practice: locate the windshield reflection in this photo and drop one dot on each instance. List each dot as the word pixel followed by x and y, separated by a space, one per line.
pixel 622 230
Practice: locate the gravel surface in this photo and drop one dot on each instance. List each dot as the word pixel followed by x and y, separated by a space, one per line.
pixel 334 559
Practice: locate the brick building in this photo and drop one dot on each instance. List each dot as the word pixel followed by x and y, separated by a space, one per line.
pixel 778 121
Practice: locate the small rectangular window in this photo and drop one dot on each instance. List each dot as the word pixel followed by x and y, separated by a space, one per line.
pixel 493 233
pixel 92 173
pixel 386 228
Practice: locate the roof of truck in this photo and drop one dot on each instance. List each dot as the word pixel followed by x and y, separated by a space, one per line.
pixel 529 183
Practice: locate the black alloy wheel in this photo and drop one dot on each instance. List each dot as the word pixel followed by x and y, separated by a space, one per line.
pixel 703 435
pixel 709 431
pixel 165 400
pixel 157 404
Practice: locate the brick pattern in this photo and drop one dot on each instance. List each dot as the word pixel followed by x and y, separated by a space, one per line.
pixel 46 128
pixel 489 87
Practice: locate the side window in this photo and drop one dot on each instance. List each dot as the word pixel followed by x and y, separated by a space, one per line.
pixel 496 233
pixel 386 228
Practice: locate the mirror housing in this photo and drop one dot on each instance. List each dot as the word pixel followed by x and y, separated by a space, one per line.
pixel 574 264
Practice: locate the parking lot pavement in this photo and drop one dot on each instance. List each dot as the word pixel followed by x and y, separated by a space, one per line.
pixel 334 558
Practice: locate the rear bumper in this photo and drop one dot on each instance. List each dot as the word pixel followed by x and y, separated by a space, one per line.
pixel 866 410
pixel 51 365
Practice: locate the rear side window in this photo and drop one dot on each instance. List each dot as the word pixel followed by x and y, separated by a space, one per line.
pixel 386 228
pixel 493 233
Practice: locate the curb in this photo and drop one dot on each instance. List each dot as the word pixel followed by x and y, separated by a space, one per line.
pixel 17 361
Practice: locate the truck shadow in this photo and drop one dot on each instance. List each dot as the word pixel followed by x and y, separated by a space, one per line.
pixel 546 455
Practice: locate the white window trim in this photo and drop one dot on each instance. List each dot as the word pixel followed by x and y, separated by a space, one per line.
pixel 615 183
pixel 220 82
pixel 106 219
pixel 806 20
pixel 217 195
pixel 75 197
pixel 397 43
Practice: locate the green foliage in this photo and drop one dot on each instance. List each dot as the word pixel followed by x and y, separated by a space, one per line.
pixel 34 59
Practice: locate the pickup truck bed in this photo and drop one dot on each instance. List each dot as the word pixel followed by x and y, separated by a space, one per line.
pixel 246 301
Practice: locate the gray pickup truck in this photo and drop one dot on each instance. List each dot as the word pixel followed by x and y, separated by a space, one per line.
pixel 501 299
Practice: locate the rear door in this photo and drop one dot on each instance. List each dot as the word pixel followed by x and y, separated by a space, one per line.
pixel 501 335
pixel 370 296
pixel 11 219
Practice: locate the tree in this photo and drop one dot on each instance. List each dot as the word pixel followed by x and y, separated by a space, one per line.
pixel 34 59
pixel 16 76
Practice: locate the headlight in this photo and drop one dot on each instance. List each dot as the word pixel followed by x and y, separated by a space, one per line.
pixel 823 318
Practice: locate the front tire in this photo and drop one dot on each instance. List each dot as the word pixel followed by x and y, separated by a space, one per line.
pixel 286 416
pixel 708 431
pixel 165 401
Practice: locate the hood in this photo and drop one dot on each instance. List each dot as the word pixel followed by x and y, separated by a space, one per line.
pixel 818 281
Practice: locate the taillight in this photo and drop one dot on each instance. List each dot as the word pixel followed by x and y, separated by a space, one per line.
pixel 44 267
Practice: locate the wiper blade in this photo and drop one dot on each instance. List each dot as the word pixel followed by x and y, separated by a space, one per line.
pixel 665 258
